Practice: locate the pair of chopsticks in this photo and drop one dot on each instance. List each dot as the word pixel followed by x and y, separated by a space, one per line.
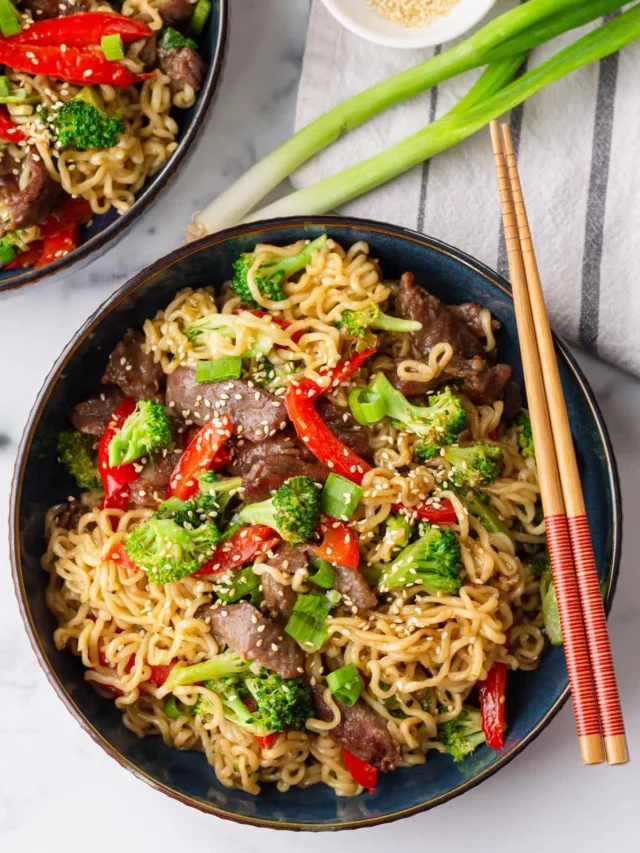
pixel 584 629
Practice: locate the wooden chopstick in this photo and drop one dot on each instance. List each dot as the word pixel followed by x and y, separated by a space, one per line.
pixel 573 631
pixel 584 560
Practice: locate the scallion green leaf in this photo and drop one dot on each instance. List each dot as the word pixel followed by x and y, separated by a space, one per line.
pixel 307 625
pixel 324 575
pixel 112 47
pixel 9 20
pixel 171 708
pixel 333 597
pixel 346 684
pixel 7 254
pixel 200 16
pixel 219 369
pixel 244 583
pixel 4 85
pixel 366 406
pixel 340 497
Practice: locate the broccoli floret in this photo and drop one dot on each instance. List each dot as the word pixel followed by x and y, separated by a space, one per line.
pixel 548 599
pixel 271 273
pixel 434 560
pixel 227 663
pixel 145 432
pixel 479 505
pixel 84 123
pixel 11 245
pixel 474 466
pixel 462 735
pixel 293 510
pixel 76 453
pixel 262 703
pixel 226 325
pixel 525 437
pixel 439 423
pixel 357 322
pixel 215 492
pixel 168 551
pixel 281 703
pixel 398 530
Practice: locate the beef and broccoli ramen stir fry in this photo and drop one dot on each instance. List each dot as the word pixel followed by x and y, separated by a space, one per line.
pixel 309 539
pixel 86 97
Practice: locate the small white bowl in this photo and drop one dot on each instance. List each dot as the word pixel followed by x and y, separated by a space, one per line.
pixel 364 21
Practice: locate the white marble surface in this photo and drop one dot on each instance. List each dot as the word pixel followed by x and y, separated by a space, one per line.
pixel 58 790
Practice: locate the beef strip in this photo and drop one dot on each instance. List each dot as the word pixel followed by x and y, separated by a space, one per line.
pixel 356 591
pixel 256 637
pixel 134 370
pixel 290 558
pixel 176 12
pixel 183 66
pixel 35 202
pixel 70 515
pixel 150 488
pixel 43 9
pixel 266 465
pixel 457 326
pixel 361 731
pixel 148 52
pixel 470 313
pixel 279 598
pixel 345 427
pixel 92 416
pixel 408 387
pixel 512 397
pixel 254 413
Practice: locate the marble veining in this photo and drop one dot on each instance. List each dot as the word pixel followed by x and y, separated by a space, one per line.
pixel 59 791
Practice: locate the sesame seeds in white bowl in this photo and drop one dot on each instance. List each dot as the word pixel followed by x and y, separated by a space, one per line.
pixel 409 23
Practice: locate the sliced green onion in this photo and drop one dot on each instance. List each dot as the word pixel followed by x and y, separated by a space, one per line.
pixel 9 20
pixel 173 40
pixel 307 624
pixel 19 96
pixel 324 575
pixel 242 584
pixel 333 597
pixel 234 525
pixel 550 612
pixel 346 684
pixel 171 708
pixel 340 497
pixel 112 47
pixel 4 85
pixel 366 406
pixel 7 254
pixel 219 369
pixel 200 16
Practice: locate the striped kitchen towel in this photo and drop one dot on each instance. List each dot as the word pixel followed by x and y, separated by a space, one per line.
pixel 577 143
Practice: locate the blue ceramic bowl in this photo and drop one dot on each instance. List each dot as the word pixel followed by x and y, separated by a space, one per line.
pixel 109 226
pixel 533 698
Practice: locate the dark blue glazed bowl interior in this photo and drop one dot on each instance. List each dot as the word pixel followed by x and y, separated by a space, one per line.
pixel 533 697
pixel 110 225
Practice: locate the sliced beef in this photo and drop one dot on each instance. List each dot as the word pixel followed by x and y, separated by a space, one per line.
pixel 69 517
pixel 256 637
pixel 354 588
pixel 512 396
pixel 176 12
pixel 183 66
pixel 361 731
pixel 290 558
pixel 470 313
pixel 279 598
pixel 36 201
pixel 150 488
pixel 43 9
pixel 408 387
pixel 345 427
pixel 92 416
pixel 458 326
pixel 266 465
pixel 255 414
pixel 134 370
pixel 148 52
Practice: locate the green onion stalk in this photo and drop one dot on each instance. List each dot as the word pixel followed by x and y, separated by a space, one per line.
pixel 511 34
pixel 486 101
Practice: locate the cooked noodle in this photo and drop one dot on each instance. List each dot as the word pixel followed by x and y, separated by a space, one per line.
pixel 428 651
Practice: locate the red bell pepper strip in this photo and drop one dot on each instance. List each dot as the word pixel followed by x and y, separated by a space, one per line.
pixel 444 513
pixel 160 673
pixel 318 437
pixel 59 245
pixel 71 211
pixel 84 66
pixel 266 740
pixel 28 258
pixel 245 544
pixel 339 545
pixel 120 555
pixel 494 435
pixel 335 375
pixel 198 457
pixel 9 131
pixel 113 479
pixel 362 772
pixel 82 30
pixel 492 701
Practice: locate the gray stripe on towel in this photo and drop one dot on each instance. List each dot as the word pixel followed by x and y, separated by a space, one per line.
pixel 597 202
pixel 433 109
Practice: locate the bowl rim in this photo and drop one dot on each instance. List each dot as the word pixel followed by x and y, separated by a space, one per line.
pixel 125 292
pixel 158 182
pixel 406 38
